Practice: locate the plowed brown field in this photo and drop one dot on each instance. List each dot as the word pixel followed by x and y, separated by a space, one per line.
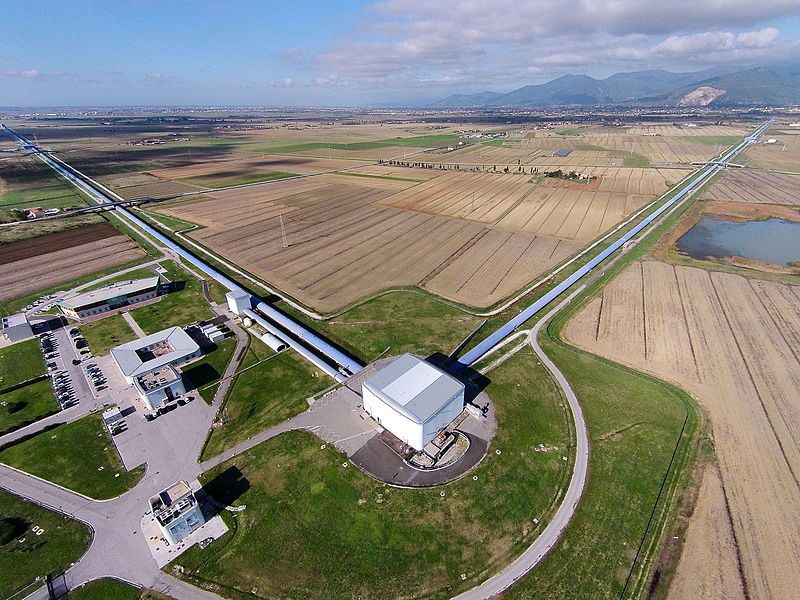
pixel 344 244
pixel 756 187
pixel 48 260
pixel 734 344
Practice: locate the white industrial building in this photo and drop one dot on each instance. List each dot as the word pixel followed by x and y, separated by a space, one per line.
pixel 413 400
pixel 151 364
pixel 110 297
pixel 15 328
pixel 177 512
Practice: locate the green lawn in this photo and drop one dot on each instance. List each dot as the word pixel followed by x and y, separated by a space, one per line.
pixel 142 273
pixel 80 456
pixel 314 529
pixel 264 395
pixel 20 362
pixel 103 589
pixel 568 131
pixel 207 371
pixel 63 542
pixel 178 308
pixel 104 334
pixel 419 141
pixel 405 321
pixel 26 404
pixel 229 178
pixel 635 160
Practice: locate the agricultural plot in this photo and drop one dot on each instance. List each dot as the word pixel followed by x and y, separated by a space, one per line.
pixel 783 155
pixel 47 260
pixel 756 187
pixel 344 245
pixel 732 343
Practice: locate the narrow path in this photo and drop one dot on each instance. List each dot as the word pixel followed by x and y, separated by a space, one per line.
pixel 533 555
pixel 133 324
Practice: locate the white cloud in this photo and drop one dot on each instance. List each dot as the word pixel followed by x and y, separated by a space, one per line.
pixel 23 74
pixel 154 76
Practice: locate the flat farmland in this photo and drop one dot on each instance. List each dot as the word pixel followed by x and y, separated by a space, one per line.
pixel 345 244
pixel 732 343
pixel 784 155
pixel 45 261
pixel 294 164
pixel 756 187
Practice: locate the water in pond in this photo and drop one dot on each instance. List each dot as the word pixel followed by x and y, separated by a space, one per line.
pixel 774 241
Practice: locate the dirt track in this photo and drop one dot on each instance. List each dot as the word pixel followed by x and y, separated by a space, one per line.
pixel 734 344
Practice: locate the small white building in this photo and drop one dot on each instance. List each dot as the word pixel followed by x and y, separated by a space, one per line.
pixel 413 399
pixel 110 297
pixel 177 512
pixel 151 364
pixel 15 328
pixel 238 301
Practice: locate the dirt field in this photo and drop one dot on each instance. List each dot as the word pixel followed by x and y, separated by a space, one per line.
pixel 733 343
pixel 49 260
pixel 709 543
pixel 344 244
pixel 756 187
pixel 784 155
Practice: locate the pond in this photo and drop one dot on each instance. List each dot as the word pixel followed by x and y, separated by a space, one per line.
pixel 774 241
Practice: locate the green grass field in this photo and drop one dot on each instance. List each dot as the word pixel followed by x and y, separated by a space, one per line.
pixel 177 308
pixel 206 372
pixel 420 141
pixel 20 362
pixel 405 321
pixel 63 542
pixel 230 178
pixel 568 131
pixel 635 160
pixel 80 456
pixel 104 334
pixel 26 404
pixel 313 528
pixel 264 395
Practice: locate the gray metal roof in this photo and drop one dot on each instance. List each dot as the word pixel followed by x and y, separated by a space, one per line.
pixel 414 387
pixel 132 365
pixel 110 291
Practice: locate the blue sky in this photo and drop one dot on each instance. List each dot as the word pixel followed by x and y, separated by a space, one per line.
pixel 356 53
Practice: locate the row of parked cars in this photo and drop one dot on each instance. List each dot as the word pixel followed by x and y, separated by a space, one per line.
pixel 60 380
pixel 80 343
pixel 168 407
pixel 96 376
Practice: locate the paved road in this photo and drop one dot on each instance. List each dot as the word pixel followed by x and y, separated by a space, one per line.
pixel 551 534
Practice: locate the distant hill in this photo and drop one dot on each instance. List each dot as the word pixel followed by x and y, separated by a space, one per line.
pixel 719 86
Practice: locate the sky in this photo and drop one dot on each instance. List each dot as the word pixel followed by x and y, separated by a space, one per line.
pixel 362 53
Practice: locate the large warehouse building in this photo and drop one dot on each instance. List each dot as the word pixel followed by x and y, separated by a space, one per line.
pixel 413 400
pixel 111 297
pixel 151 364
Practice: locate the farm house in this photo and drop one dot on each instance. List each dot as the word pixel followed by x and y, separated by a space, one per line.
pixel 413 400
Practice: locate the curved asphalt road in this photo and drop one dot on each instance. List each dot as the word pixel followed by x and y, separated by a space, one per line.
pixel 551 534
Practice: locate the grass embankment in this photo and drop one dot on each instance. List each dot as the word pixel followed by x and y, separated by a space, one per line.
pixel 263 395
pixel 79 456
pixel 177 308
pixel 313 528
pixel 207 371
pixel 24 556
pixel 104 334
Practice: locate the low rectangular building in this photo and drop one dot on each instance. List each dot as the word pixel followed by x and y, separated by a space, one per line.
pixel 177 512
pixel 110 297
pixel 151 364
pixel 413 399
pixel 15 328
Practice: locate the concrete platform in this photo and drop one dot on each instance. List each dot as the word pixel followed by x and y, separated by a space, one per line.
pixel 163 552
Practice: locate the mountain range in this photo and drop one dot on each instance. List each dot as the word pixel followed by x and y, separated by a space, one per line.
pixel 732 86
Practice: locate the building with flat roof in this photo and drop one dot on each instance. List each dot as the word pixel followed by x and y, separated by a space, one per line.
pixel 15 328
pixel 110 297
pixel 177 511
pixel 151 364
pixel 413 400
